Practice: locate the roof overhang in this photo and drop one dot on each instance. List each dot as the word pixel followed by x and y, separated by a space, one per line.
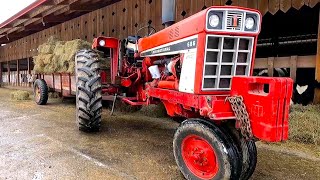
pixel 43 14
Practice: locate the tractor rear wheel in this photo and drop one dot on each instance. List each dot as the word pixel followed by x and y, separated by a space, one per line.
pixel 203 151
pixel 88 95
pixel 40 90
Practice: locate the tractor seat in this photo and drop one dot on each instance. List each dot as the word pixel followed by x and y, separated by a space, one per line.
pixel 133 39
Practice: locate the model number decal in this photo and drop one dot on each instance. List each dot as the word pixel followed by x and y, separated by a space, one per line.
pixel 191 44
pixel 180 45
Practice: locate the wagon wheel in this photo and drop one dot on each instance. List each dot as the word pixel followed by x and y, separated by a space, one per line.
pixel 88 95
pixel 40 90
pixel 247 149
pixel 203 151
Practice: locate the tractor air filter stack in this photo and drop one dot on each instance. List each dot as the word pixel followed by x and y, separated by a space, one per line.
pixel 168 12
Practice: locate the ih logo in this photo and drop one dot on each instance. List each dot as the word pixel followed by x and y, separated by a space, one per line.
pixel 235 21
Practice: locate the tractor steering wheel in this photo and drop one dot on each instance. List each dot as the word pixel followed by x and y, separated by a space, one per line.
pixel 152 31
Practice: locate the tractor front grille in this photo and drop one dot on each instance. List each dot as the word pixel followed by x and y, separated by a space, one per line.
pixel 234 20
pixel 225 57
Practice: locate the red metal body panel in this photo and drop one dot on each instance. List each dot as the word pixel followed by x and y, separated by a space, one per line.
pixel 190 26
pixel 113 44
pixel 268 111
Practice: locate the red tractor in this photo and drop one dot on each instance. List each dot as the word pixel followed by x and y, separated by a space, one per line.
pixel 200 69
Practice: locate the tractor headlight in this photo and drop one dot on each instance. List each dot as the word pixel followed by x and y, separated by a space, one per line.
pixel 214 20
pixel 102 42
pixel 250 23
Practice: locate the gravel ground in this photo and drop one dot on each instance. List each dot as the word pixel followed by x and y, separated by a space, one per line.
pixel 42 142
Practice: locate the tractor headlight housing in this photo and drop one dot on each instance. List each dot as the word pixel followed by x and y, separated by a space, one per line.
pixel 214 20
pixel 102 42
pixel 251 22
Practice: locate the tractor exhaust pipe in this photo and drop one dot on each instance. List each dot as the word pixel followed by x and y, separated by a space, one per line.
pixel 168 12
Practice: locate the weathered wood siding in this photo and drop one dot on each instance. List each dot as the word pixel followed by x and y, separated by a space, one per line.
pixel 125 18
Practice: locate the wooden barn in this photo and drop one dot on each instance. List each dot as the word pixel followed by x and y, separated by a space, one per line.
pixel 289 43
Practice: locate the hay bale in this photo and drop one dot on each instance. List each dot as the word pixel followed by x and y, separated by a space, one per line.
pixel 58 56
pixel 46 48
pixel 72 47
pixel 305 124
pixel 20 95
pixel 59 48
pixel 38 64
pixel 52 40
pixel 105 63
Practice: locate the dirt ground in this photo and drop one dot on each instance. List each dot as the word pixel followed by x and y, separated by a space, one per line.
pixel 43 142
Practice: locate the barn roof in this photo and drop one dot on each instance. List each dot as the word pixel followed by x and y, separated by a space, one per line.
pixel 43 14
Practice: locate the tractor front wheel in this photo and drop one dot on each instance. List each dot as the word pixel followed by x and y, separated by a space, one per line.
pixel 88 95
pixel 40 90
pixel 247 149
pixel 203 151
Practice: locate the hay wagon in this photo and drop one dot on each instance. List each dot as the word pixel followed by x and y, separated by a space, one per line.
pixel 63 83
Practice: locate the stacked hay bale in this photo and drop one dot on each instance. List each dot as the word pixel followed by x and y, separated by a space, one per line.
pixel 58 56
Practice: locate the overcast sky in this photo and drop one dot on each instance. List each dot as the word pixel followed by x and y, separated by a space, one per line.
pixel 10 7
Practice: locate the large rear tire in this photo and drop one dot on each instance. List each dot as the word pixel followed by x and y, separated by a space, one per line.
pixel 203 151
pixel 40 90
pixel 88 95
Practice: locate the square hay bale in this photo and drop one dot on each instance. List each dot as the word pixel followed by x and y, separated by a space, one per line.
pixel 46 48
pixel 20 95
pixel 58 56
pixel 59 48
pixel 72 47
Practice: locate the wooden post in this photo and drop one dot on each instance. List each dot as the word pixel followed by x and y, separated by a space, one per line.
pixel 270 66
pixel 317 91
pixel 29 70
pixel 1 74
pixel 18 73
pixel 8 68
pixel 293 67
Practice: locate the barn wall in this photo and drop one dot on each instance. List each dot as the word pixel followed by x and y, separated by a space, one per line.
pixel 125 18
